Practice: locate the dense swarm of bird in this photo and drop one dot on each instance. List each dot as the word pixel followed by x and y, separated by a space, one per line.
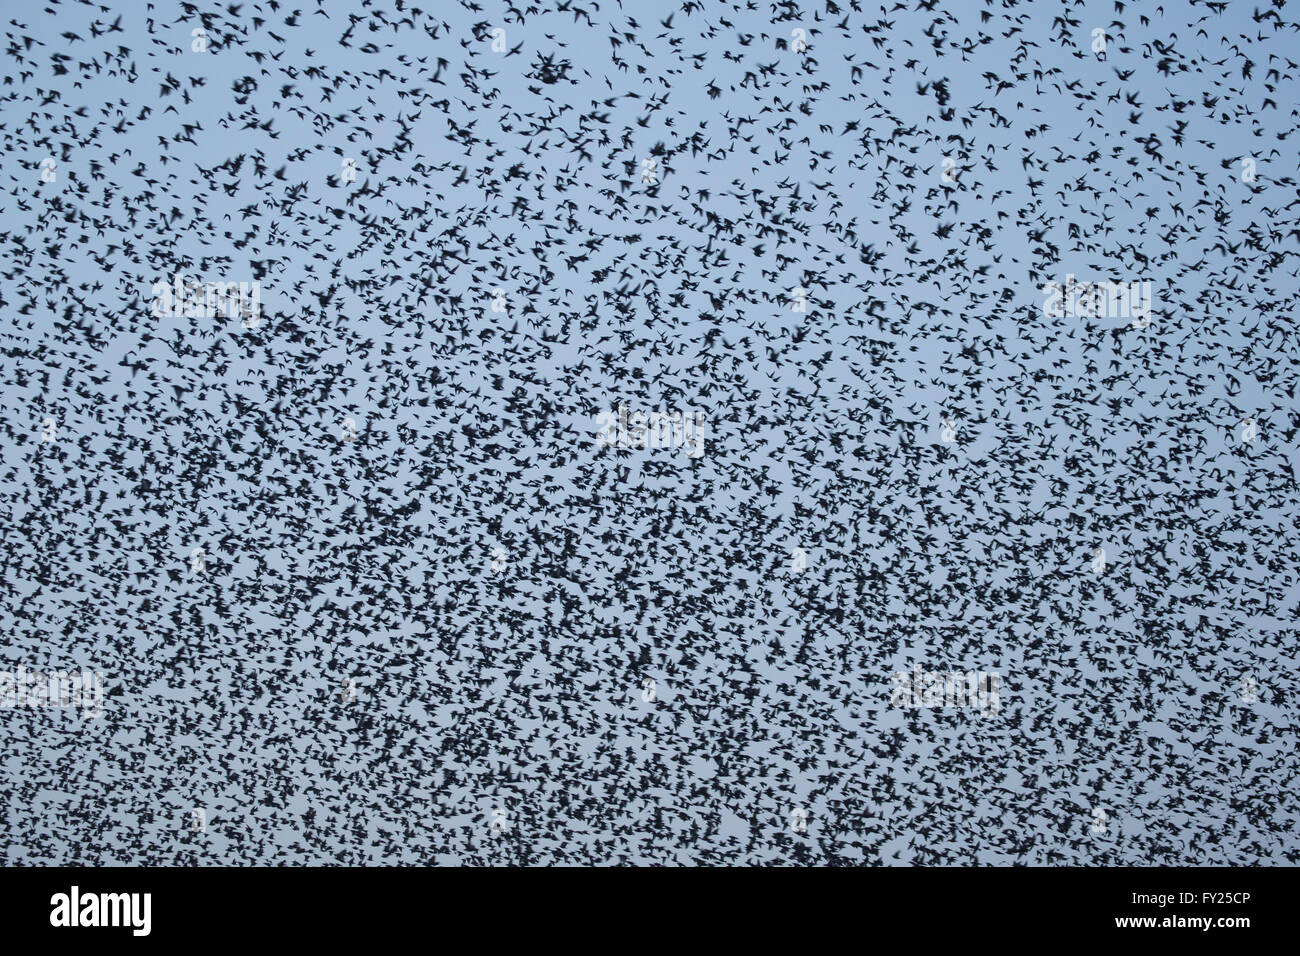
pixel 435 622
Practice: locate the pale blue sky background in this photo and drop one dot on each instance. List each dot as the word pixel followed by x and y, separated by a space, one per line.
pixel 522 690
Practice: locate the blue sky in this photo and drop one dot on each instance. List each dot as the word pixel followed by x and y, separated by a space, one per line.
pixel 521 690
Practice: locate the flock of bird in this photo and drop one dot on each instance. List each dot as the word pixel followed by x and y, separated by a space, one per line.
pixel 364 588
